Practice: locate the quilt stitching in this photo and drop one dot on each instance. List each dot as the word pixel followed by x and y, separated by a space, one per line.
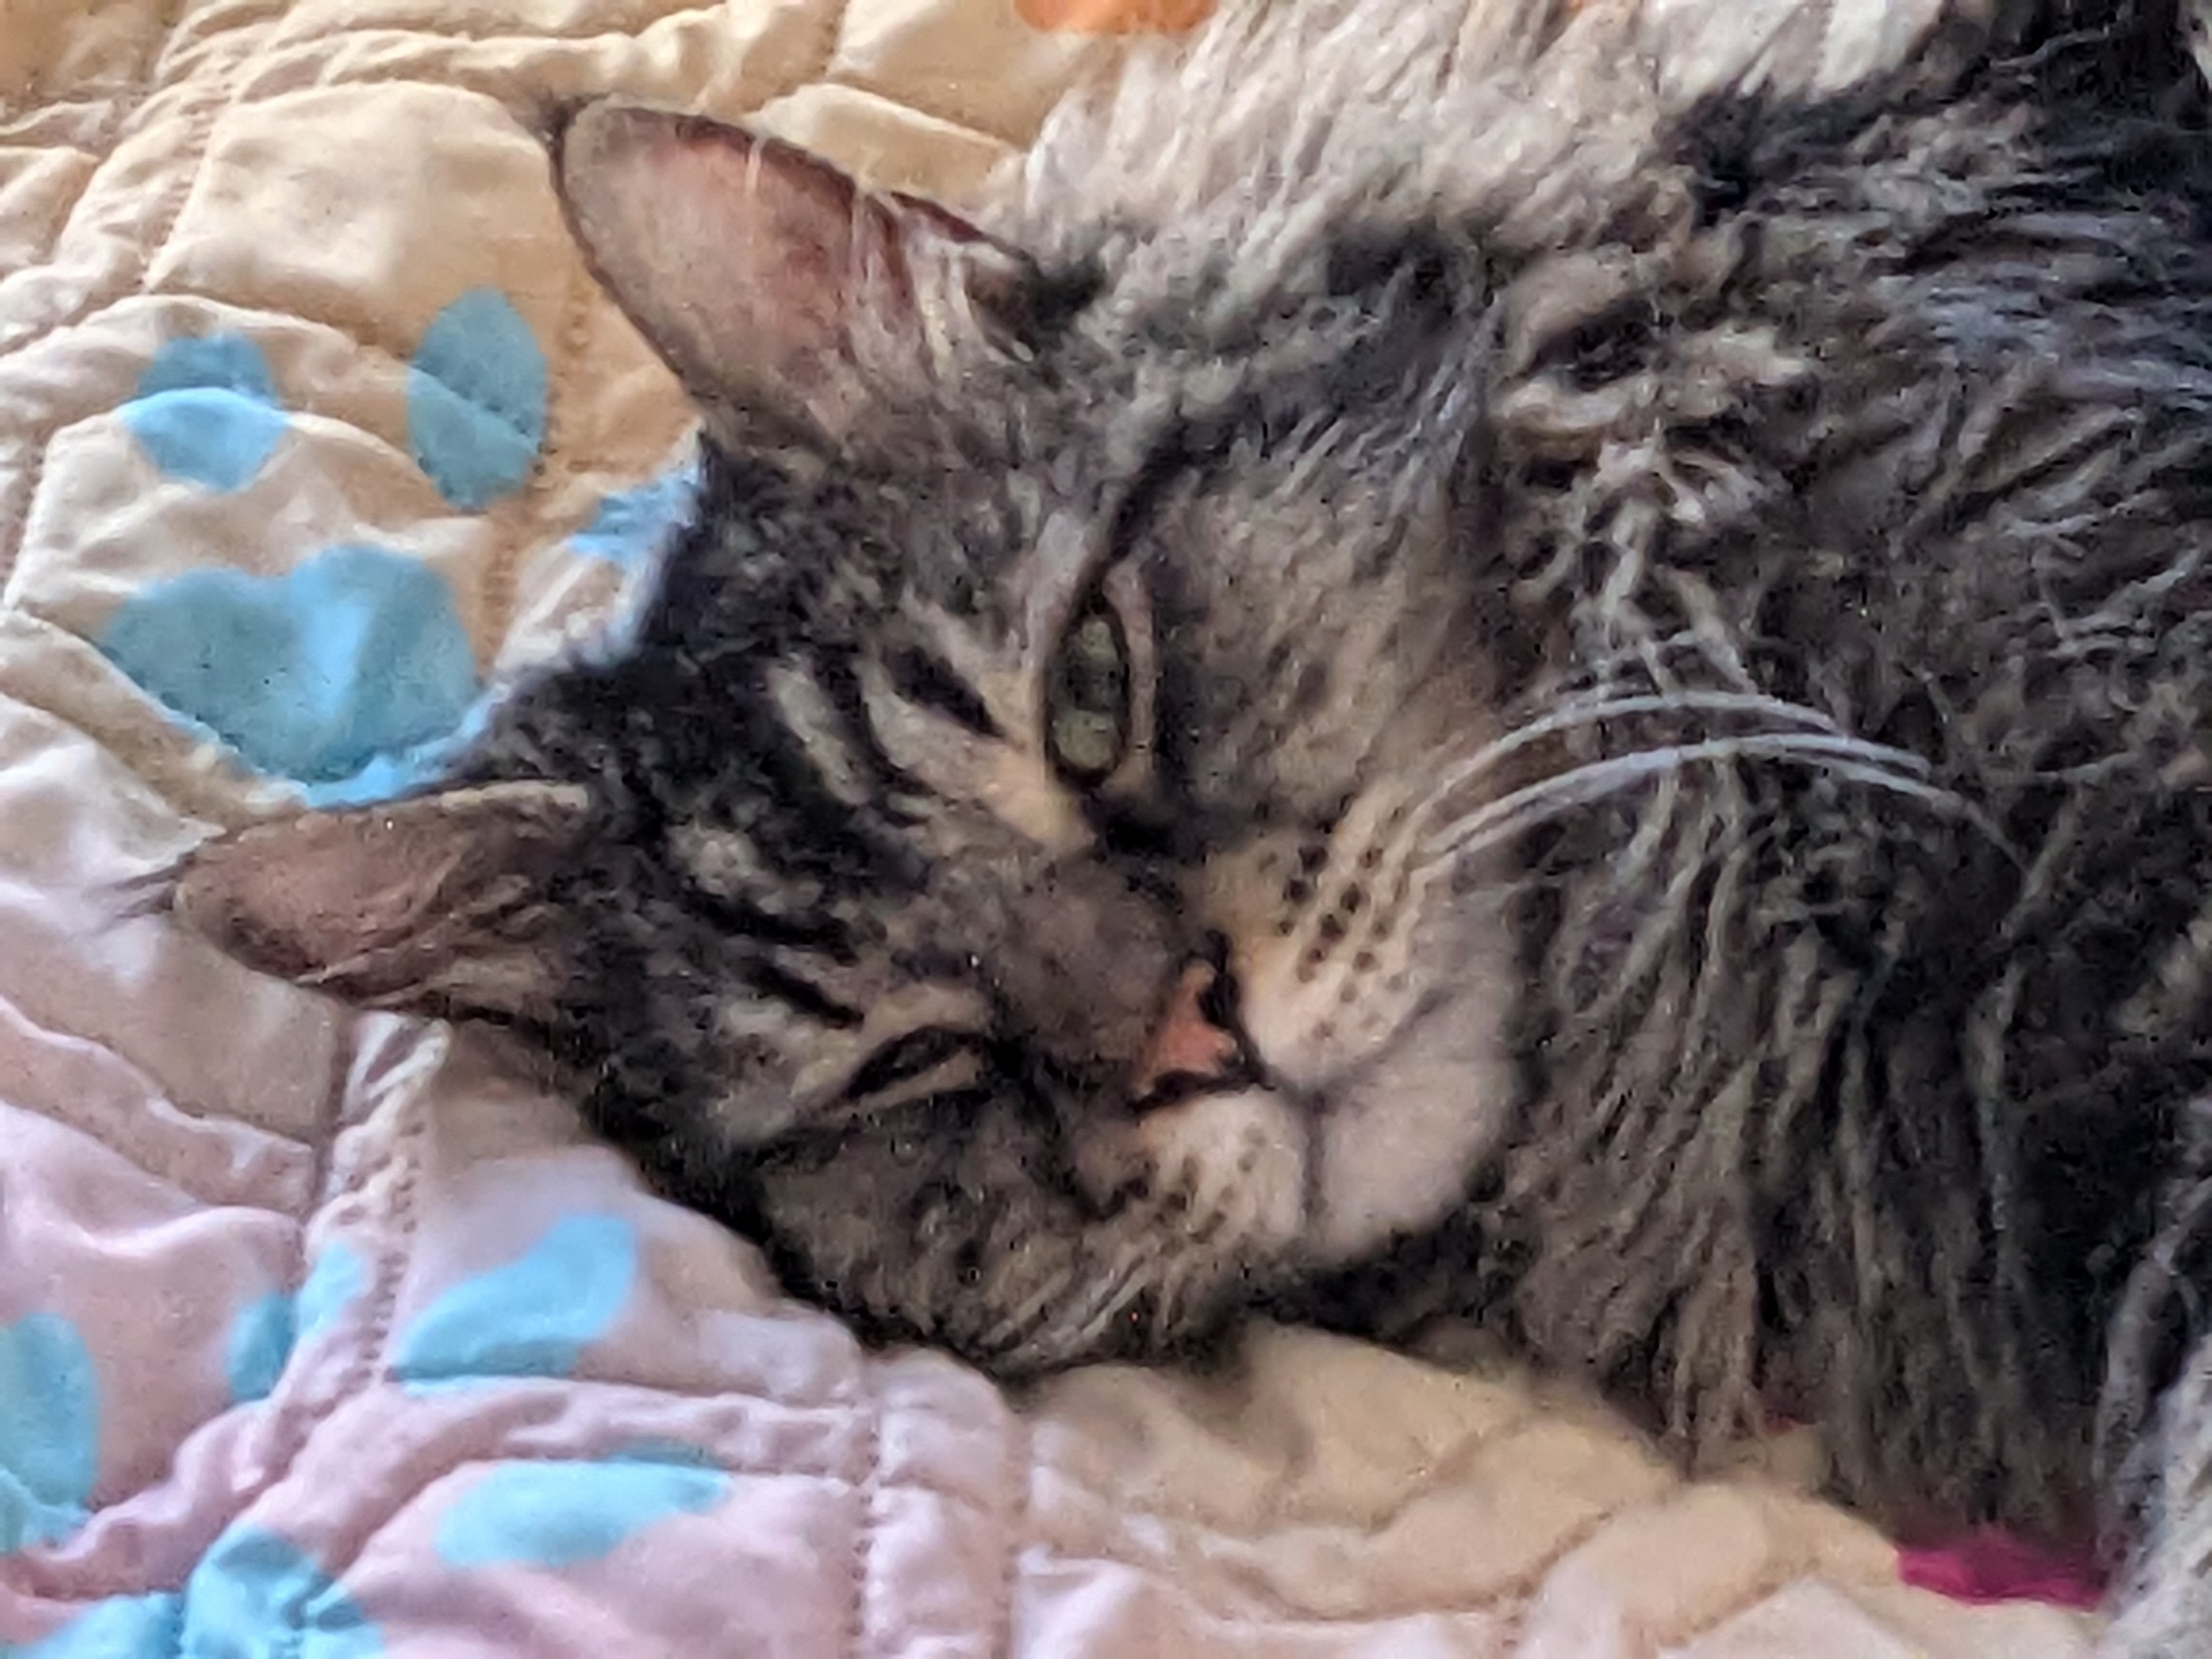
pixel 14 514
pixel 343 27
pixel 16 1012
pixel 512 533
pixel 867 1489
pixel 919 99
pixel 207 112
pixel 1014 1506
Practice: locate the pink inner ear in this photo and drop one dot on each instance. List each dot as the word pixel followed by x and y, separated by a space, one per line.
pixel 771 283
pixel 775 221
pixel 746 263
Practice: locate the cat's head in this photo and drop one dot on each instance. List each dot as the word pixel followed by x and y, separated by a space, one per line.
pixel 1066 690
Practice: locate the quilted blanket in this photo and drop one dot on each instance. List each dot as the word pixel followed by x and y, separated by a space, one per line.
pixel 320 1335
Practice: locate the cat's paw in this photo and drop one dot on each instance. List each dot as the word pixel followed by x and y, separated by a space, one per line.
pixel 1231 1168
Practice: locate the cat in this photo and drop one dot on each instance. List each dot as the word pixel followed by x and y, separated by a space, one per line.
pixel 1445 676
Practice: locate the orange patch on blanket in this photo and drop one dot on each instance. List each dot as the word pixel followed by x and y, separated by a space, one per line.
pixel 1115 17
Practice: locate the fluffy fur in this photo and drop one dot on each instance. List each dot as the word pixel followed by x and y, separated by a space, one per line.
pixel 1634 604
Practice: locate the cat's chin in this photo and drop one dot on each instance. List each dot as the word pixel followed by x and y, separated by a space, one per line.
pixel 1385 1167
pixel 1232 1166
pixel 1394 1147
pixel 1264 1177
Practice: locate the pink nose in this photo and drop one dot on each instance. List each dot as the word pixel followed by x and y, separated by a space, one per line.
pixel 1188 1046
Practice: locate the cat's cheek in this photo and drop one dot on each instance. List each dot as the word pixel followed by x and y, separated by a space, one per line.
pixel 1394 1154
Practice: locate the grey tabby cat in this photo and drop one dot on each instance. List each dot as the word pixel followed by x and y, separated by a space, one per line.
pixel 1453 674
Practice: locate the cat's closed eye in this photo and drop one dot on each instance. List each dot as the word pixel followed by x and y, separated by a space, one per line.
pixel 928 1061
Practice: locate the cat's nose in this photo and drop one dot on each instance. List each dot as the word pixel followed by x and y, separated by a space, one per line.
pixel 1193 1048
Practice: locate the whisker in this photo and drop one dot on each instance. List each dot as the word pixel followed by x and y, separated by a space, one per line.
pixel 1852 759
pixel 148 893
pixel 1063 1317
pixel 1575 717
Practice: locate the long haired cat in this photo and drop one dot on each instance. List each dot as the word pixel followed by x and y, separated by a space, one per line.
pixel 1451 673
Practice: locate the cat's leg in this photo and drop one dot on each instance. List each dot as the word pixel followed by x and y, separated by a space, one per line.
pixel 983 1229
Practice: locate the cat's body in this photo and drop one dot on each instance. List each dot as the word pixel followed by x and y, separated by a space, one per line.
pixel 1610 732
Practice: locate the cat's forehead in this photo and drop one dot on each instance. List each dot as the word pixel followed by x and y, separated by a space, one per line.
pixel 1240 477
pixel 1006 484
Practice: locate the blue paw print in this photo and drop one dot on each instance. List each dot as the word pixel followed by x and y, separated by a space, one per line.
pixel 475 399
pixel 206 409
pixel 121 1627
pixel 269 1326
pixel 532 1317
pixel 336 1278
pixel 260 1342
pixel 631 525
pixel 554 1515
pixel 353 677
pixel 254 1596
pixel 358 655
pixel 256 1593
pixel 49 1431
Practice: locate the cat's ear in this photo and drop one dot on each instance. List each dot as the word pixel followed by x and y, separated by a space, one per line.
pixel 782 294
pixel 442 904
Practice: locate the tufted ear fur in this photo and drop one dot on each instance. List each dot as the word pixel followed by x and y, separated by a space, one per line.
pixel 438 905
pixel 783 295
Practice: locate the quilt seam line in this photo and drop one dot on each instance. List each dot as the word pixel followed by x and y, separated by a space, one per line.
pixel 294 1429
pixel 98 155
pixel 186 21
pixel 179 753
pixel 868 1488
pixel 914 102
pixel 372 1359
pixel 507 533
pixel 344 26
pixel 331 1121
pixel 1019 1516
pixel 200 118
pixel 121 99
pixel 818 1474
pixel 161 1092
pixel 16 516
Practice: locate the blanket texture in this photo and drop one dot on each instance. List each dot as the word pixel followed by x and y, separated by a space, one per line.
pixel 317 1337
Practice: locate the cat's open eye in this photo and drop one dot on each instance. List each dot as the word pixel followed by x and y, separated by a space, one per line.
pixel 1087 697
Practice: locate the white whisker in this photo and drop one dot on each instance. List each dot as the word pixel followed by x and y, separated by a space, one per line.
pixel 1574 717
pixel 1852 759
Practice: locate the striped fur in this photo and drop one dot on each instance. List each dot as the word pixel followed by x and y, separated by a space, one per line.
pixel 1663 589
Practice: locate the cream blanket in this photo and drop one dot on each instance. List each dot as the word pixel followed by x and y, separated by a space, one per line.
pixel 315 1338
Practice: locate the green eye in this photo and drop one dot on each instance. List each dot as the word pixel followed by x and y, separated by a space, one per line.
pixel 1087 698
